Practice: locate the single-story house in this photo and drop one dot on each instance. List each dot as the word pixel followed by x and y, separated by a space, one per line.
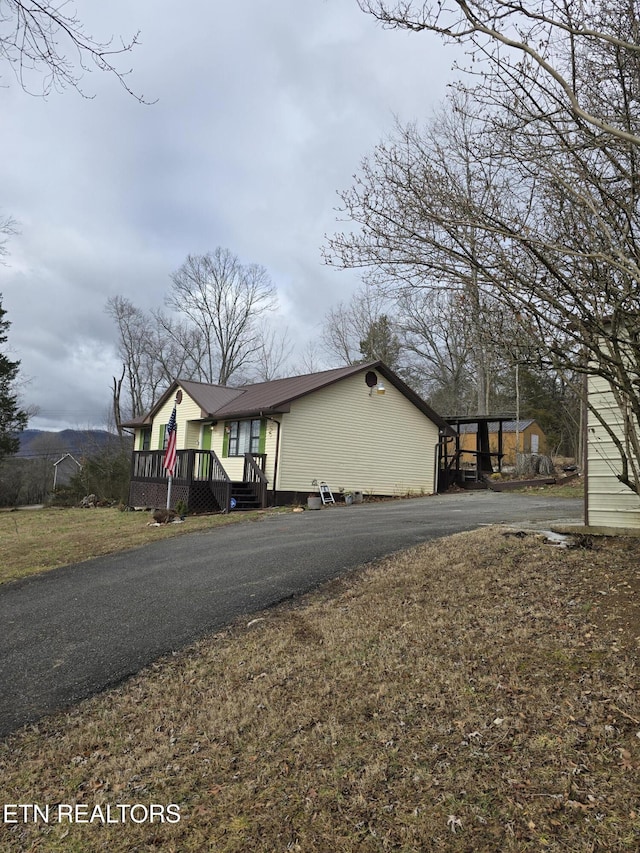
pixel 608 502
pixel 358 428
pixel 530 438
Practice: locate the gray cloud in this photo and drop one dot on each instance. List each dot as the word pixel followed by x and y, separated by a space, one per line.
pixel 264 112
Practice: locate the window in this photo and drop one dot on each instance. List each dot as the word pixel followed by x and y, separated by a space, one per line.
pixel 163 437
pixel 244 437
pixel 165 440
pixel 145 439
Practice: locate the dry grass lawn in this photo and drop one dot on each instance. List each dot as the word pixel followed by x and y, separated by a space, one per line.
pixel 478 693
pixel 37 540
pixel 574 489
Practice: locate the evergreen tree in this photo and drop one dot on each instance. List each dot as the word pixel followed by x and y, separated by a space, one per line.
pixel 381 343
pixel 12 418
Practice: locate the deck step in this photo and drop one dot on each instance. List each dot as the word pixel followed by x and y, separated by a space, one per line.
pixel 244 497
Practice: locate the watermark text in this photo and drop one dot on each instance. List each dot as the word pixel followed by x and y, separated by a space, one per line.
pixel 117 813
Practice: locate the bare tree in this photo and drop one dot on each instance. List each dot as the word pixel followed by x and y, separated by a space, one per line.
pixel 116 408
pixel 44 450
pixel 154 350
pixel 312 358
pixel 224 301
pixel 361 330
pixel 7 229
pixel 221 334
pixel 559 219
pixel 435 336
pixel 534 43
pixel 47 41
pixel 339 339
pixel 408 241
pixel 133 335
pixel 176 351
pixel 272 354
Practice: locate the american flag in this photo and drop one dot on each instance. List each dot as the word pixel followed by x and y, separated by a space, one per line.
pixel 169 462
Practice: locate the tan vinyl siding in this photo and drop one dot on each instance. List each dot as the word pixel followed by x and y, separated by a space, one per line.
pixel 610 504
pixel 193 432
pixel 234 465
pixel 187 411
pixel 271 438
pixel 378 444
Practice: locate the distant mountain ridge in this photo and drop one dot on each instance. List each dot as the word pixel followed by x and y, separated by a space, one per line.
pixel 37 442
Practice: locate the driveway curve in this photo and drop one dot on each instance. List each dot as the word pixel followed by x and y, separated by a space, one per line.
pixel 74 631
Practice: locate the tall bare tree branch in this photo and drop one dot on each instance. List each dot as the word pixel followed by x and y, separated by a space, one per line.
pixel 47 41
pixel 550 228
pixel 224 300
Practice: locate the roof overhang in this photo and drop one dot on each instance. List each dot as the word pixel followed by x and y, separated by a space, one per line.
pixel 479 419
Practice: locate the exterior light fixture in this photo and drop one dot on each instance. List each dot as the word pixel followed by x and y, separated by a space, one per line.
pixel 373 381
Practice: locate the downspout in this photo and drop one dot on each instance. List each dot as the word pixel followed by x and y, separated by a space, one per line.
pixel 277 454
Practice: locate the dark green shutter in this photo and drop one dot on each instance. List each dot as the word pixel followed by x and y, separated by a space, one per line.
pixel 263 436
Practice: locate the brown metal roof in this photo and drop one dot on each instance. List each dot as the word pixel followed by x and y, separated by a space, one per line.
pixel 274 397
pixel 135 423
pixel 210 398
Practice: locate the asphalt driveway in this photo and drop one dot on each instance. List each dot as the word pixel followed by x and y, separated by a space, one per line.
pixel 70 633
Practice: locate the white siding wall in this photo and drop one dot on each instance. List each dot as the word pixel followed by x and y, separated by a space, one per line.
pixel 610 504
pixel 379 444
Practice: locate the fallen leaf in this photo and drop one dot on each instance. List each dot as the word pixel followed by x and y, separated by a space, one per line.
pixel 454 823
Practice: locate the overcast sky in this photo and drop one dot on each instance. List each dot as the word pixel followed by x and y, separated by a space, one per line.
pixel 264 111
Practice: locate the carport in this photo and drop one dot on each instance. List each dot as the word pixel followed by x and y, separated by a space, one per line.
pixel 469 468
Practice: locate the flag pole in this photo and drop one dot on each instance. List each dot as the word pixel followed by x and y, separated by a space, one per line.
pixel 169 462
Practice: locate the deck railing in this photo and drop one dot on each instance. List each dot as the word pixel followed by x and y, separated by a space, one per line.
pixel 192 466
pixel 219 481
pixel 147 465
pixel 464 466
pixel 255 477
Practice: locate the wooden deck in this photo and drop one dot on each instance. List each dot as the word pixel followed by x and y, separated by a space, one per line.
pixel 200 482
